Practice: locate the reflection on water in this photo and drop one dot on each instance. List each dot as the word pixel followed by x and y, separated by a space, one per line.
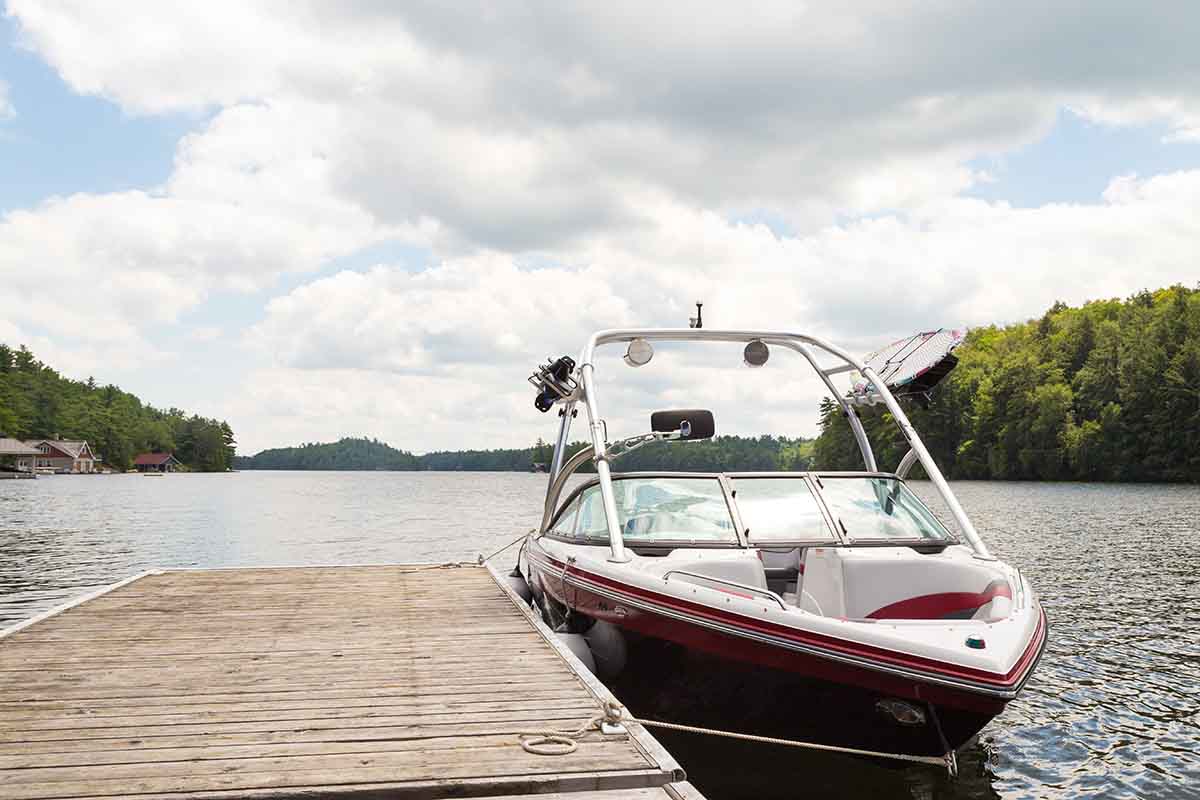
pixel 1113 710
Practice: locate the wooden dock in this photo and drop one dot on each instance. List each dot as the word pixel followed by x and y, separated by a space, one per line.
pixel 324 682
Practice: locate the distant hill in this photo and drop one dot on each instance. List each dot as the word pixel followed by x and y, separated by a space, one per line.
pixel 719 454
pixel 344 454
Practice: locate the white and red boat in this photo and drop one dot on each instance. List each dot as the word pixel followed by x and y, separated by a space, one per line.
pixel 843 577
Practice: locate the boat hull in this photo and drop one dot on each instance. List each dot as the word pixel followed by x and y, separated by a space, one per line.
pixel 961 711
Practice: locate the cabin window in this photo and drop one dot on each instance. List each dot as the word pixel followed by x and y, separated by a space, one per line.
pixel 780 510
pixel 651 509
pixel 880 508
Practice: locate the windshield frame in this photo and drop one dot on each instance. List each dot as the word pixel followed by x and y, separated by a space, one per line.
pixel 739 540
pixel 881 541
pixel 727 482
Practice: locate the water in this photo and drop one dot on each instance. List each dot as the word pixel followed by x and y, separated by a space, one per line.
pixel 1113 710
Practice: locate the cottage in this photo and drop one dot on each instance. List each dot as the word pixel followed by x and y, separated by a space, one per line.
pixel 63 455
pixel 156 462
pixel 16 455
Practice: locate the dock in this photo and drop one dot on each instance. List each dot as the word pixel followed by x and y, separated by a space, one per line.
pixel 313 682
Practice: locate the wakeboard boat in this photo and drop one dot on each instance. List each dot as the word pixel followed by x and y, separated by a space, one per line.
pixel 846 578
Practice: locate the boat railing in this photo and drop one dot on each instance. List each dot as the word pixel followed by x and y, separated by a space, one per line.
pixel 767 593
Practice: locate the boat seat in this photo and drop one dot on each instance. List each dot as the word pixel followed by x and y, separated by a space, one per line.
pixel 782 564
pixel 736 567
pixel 784 570
pixel 899 583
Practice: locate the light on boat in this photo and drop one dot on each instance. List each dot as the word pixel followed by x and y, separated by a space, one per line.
pixel 639 353
pixel 976 642
pixel 756 353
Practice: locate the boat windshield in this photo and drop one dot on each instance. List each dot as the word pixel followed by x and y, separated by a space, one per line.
pixel 780 510
pixel 870 507
pixel 653 509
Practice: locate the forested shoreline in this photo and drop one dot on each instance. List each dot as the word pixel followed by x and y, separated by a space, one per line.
pixel 36 402
pixel 1109 391
pixel 722 453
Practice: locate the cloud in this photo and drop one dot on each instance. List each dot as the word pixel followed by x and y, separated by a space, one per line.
pixel 569 167
pixel 247 202
pixel 205 333
pixel 524 127
pixel 453 343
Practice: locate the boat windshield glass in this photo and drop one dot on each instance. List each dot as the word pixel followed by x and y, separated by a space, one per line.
pixel 650 509
pixel 879 508
pixel 780 510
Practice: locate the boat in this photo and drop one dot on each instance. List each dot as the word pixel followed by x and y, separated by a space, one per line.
pixel 845 581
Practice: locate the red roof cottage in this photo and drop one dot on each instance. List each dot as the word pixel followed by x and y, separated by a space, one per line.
pixel 156 462
pixel 64 455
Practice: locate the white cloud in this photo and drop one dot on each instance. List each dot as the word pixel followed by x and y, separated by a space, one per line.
pixel 205 333
pixel 247 202
pixel 520 127
pixel 440 355
pixel 577 166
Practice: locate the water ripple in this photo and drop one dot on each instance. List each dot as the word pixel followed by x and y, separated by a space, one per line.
pixel 1113 710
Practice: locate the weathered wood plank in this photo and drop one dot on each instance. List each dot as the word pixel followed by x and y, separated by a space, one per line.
pixel 316 682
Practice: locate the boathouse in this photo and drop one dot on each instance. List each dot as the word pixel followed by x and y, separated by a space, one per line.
pixel 156 462
pixel 16 455
pixel 64 455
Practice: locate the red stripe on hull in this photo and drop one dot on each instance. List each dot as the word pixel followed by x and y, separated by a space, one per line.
pixel 942 604
pixel 728 645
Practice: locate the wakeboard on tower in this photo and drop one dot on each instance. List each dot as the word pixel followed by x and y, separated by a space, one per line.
pixel 910 367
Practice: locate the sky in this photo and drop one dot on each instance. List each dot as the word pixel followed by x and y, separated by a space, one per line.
pixel 317 220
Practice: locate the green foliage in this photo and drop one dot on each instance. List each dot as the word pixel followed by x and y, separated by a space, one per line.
pixel 724 453
pixel 345 454
pixel 1109 391
pixel 36 402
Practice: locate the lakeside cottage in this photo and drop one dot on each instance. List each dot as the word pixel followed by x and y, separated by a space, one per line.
pixel 156 462
pixel 17 455
pixel 63 455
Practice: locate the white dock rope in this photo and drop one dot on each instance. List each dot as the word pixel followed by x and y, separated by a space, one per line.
pixel 561 742
pixel 558 743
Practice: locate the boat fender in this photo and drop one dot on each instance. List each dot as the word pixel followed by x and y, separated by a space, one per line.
pixel 607 644
pixel 579 646
pixel 518 585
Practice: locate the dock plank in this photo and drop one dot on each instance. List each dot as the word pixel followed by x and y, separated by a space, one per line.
pixel 305 682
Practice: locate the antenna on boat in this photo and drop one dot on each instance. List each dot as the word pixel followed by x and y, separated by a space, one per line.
pixel 698 320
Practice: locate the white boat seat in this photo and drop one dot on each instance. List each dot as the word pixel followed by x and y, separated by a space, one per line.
pixel 899 583
pixel 738 567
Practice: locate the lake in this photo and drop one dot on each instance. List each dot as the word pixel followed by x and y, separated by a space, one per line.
pixel 1113 710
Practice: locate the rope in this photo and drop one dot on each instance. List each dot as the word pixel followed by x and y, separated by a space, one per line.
pixel 443 565
pixel 940 761
pixel 554 742
pixel 483 560
pixel 563 742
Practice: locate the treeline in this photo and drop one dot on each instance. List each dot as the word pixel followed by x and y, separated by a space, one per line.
pixel 1109 391
pixel 724 453
pixel 36 402
pixel 345 454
